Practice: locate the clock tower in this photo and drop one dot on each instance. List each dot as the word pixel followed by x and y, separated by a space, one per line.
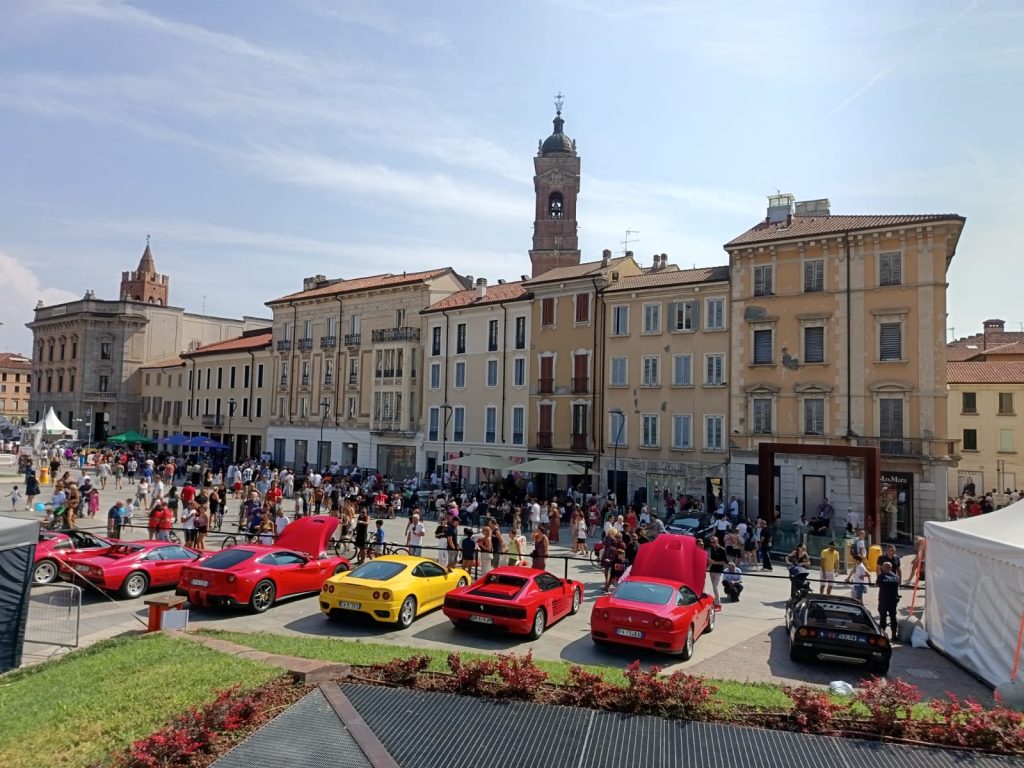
pixel 556 183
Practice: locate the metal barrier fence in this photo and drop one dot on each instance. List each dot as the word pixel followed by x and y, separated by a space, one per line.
pixel 54 615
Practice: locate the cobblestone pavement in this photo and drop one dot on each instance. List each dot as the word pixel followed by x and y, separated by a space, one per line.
pixel 749 642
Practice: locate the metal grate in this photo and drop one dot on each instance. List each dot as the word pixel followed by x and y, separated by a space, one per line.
pixel 54 612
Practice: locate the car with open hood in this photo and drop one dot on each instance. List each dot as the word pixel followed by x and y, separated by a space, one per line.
pixel 54 547
pixel 523 601
pixel 661 604
pixel 257 575
pixel 130 568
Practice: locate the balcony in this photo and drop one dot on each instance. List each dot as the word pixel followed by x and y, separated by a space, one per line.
pixel 545 386
pixel 100 395
pixel 305 344
pixel 389 373
pixel 900 446
pixel 353 380
pixel 580 385
pixel 211 420
pixel 328 342
pixel 395 334
pixel 393 427
pixel 284 345
pixel 579 442
pixel 305 381
pixel 328 380
pixel 544 440
pixel 353 339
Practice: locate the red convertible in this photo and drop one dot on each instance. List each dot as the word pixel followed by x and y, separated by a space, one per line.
pixel 662 604
pixel 131 568
pixel 258 574
pixel 55 546
pixel 523 601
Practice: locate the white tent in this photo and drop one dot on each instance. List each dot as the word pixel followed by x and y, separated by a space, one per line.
pixel 48 428
pixel 975 572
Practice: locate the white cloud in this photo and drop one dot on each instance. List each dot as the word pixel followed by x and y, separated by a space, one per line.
pixel 371 16
pixel 22 290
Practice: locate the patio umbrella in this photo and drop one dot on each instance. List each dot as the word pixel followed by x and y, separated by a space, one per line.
pixel 480 461
pixel 205 442
pixel 550 467
pixel 130 436
pixel 175 440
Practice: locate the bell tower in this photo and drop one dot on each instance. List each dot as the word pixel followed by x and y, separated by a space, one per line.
pixel 556 182
pixel 145 284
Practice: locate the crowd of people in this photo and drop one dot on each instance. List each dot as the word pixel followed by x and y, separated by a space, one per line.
pixel 971 503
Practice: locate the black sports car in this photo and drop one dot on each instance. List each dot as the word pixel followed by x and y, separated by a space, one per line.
pixel 832 625
pixel 700 527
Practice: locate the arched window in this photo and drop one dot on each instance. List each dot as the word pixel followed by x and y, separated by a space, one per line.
pixel 556 206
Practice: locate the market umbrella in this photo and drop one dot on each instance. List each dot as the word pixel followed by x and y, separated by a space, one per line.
pixel 205 442
pixel 550 467
pixel 480 461
pixel 128 437
pixel 175 440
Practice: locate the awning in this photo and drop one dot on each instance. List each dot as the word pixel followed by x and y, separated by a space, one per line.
pixel 549 467
pixel 480 461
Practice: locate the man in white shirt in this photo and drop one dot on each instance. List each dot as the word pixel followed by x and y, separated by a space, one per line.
pixel 534 514
pixel 281 522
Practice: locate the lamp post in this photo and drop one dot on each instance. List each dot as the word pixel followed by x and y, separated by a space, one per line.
pixel 231 441
pixel 444 440
pixel 325 409
pixel 620 417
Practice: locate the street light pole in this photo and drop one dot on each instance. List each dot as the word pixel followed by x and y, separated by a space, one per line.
pixel 444 441
pixel 88 419
pixel 325 409
pixel 231 437
pixel 620 417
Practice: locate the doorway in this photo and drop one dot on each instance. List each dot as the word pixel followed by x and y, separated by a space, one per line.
pixel 814 494
pixel 752 500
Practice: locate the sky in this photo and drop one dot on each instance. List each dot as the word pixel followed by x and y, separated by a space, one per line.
pixel 259 142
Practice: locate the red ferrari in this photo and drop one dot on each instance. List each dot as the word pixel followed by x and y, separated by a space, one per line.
pixel 131 568
pixel 258 574
pixel 662 604
pixel 55 546
pixel 523 601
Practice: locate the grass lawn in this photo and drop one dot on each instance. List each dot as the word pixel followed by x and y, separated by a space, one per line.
pixel 79 709
pixel 730 693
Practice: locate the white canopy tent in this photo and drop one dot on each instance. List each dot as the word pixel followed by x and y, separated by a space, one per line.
pixel 975 578
pixel 48 428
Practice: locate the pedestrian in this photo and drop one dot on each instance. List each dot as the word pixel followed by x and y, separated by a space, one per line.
pixel 611 547
pixel 483 551
pixel 498 545
pixel 917 564
pixel 15 497
pixel 581 535
pixel 362 534
pixel 732 582
pixel 441 543
pixel 893 559
pixel 93 501
pixel 31 489
pixel 469 547
pixel 535 514
pixel 540 548
pixel 860 578
pixel 888 584
pixel 717 558
pixel 188 523
pixel 829 565
pixel 202 521
pixel 766 535
pixel 414 533
pixel 163 520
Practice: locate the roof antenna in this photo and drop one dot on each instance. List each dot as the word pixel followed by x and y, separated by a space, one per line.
pixel 625 243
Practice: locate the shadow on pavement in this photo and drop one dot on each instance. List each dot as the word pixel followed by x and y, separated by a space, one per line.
pixel 475 638
pixel 584 651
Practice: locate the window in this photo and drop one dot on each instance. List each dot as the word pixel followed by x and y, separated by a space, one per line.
pixel 490 424
pixel 649 377
pixel 305 373
pixel 814 416
pixel 969 402
pixel 814 344
pixel 582 307
pixel 104 350
pixel 518 424
pixel 259 408
pixel 652 318
pixel 460 375
pixel 763 280
pixel 399 318
pixel 520 341
pixel 63 348
pixel 714 426
pixel 556 206
pixel 763 346
pixel 492 336
pixel 246 373
pixel 519 372
pixel 328 372
pixel 245 407
pixel 492 373
pixel 890 268
pixel 714 369
pixel 1006 403
pixel 458 423
pixel 970 439
pixel 762 413
pixel 682 428
pixel 354 324
pixel 684 315
pixel 435 341
pixel 220 378
pixel 580 420
pixel 715 320
pixel 1006 441
pixel 433 419
pixel 649 430
pixel 682 370
pixel 74 349
pixel 620 320
pixel 890 341
pixel 104 383
pixel 460 339
pixel 435 375
pixel 547 311
pixel 330 327
pixel 619 375
pixel 814 276
pixel 617 428
pixel 209 371
pixel 890 422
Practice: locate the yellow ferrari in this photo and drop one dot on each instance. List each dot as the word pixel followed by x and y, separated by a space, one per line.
pixel 394 588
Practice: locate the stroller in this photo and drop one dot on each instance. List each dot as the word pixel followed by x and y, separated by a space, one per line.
pixel 798 586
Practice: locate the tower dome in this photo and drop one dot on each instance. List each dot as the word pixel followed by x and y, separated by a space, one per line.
pixel 558 143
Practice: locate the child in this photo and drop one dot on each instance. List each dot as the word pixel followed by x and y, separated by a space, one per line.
pixel 15 497
pixel 379 538
pixel 860 578
pixel 468 549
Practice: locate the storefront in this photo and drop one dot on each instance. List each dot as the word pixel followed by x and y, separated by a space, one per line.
pixel 897 506
pixel 396 461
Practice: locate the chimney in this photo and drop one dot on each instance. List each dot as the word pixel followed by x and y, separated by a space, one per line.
pixel 657 262
pixel 470 280
pixel 664 261
pixel 524 278
pixel 606 257
pixel 481 288
pixel 501 281
pixel 991 326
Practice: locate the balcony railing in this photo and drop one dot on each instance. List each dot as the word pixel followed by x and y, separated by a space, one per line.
pixel 213 420
pixel 100 395
pixel 305 381
pixel 580 385
pixel 898 446
pixel 305 344
pixel 353 380
pixel 544 440
pixel 284 345
pixel 395 334
pixel 353 339
pixel 392 425
pixel 389 373
pixel 545 386
pixel 328 379
pixel 579 442
pixel 328 342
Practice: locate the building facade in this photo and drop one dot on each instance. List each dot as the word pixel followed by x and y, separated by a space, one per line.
pixel 15 387
pixel 838 338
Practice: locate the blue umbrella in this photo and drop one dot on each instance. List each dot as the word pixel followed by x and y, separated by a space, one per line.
pixel 175 440
pixel 205 442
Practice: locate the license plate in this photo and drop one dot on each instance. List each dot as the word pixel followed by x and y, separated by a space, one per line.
pixel 634 633
pixel 350 606
pixel 849 638
pixel 199 583
pixel 482 619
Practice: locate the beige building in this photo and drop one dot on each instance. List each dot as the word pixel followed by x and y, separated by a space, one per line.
pixel 347 371
pixel 476 386
pixel 838 338
pixel 15 386
pixel 666 398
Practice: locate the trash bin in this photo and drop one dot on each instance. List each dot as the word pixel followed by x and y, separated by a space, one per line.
pixel 44 475
pixel 874 552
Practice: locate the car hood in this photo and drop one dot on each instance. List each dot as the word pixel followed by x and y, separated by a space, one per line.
pixel 308 535
pixel 675 558
pixel 101 559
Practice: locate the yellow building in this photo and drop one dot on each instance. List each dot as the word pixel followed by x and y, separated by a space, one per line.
pixel 838 338
pixel 15 386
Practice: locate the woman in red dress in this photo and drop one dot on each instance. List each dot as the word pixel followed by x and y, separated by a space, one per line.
pixel 554 518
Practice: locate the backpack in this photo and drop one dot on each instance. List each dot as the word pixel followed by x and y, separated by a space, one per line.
pixel 440 532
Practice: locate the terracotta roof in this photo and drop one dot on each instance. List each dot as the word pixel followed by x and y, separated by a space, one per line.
pixel 585 269
pixel 257 340
pixel 14 360
pixel 979 345
pixel 810 226
pixel 470 298
pixel 170 362
pixel 341 286
pixel 669 277
pixel 977 372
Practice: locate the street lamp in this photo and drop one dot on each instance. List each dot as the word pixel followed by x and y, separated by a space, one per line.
pixel 444 440
pixel 325 409
pixel 620 418
pixel 231 441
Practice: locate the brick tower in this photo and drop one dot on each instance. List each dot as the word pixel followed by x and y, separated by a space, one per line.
pixel 557 183
pixel 145 284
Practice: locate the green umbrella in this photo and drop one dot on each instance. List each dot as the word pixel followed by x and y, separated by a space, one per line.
pixel 130 437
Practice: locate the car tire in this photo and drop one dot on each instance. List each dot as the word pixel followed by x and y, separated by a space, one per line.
pixel 407 613
pixel 262 596
pixel 600 642
pixel 711 621
pixel 540 621
pixel 335 615
pixel 798 655
pixel 45 572
pixel 880 668
pixel 687 652
pixel 462 582
pixel 134 585
pixel 340 568
pixel 577 601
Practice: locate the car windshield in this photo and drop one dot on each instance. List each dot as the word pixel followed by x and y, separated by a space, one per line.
pixel 227 558
pixel 506 579
pixel 644 592
pixel 377 570
pixel 685 522
pixel 838 614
